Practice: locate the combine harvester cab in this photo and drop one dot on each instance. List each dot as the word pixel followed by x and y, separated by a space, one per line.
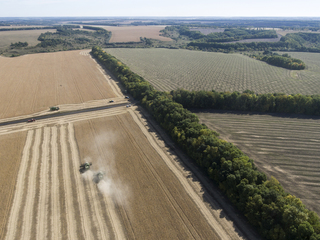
pixel 84 167
pixel 98 177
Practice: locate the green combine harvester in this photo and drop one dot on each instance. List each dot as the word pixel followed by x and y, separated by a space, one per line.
pixel 54 108
pixel 84 167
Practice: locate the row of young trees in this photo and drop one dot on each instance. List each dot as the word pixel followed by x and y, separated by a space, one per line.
pixel 275 213
pixel 249 101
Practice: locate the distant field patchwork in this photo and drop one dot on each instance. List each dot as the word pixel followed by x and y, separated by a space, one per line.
pixel 29 36
pixel 287 148
pixel 168 69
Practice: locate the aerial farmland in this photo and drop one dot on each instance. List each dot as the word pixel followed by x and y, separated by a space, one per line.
pixel 145 188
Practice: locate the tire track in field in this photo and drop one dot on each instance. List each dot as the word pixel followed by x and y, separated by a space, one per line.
pixel 70 214
pixel 44 191
pixel 17 201
pixel 102 229
pixel 55 204
pixel 31 191
pixel 85 220
pixel 99 221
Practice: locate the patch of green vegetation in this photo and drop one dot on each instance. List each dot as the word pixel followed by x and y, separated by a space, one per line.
pixel 283 60
pixel 65 38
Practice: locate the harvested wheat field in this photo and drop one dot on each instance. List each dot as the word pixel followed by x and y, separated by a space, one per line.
pixel 33 83
pixel 133 33
pixel 9 161
pixel 142 196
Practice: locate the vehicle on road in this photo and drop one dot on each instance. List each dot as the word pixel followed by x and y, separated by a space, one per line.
pixel 31 120
pixel 111 101
pixel 126 97
pixel 85 167
pixel 54 108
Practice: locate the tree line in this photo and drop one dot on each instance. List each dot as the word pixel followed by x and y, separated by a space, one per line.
pixel 301 42
pixel 284 60
pixel 273 212
pixel 249 101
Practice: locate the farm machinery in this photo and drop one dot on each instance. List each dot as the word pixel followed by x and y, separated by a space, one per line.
pixel 85 167
pixel 98 177
pixel 54 108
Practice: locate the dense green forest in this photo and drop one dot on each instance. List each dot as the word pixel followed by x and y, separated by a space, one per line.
pixel 249 101
pixel 283 60
pixel 273 212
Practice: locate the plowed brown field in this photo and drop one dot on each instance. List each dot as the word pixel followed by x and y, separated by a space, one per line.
pixel 33 83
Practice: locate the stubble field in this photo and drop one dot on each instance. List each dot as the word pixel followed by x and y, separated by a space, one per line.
pixel 281 146
pixel 33 83
pixel 133 33
pixel 168 70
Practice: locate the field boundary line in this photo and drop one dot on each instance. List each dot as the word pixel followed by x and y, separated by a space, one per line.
pixel 31 191
pixel 212 218
pixel 19 189
pixel 80 190
pixel 55 220
pixel 43 195
pixel 72 234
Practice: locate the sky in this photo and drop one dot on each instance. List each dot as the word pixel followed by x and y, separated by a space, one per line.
pixel 163 8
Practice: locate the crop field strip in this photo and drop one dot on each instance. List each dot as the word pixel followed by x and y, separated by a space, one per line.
pixel 75 204
pixel 170 69
pixel 149 197
pixel 287 148
pixel 33 83
pixel 133 33
pixel 10 161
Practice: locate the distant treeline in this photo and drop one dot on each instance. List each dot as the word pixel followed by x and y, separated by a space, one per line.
pixel 229 34
pixel 67 36
pixel 275 213
pixel 284 60
pixel 26 28
pixel 302 42
pixel 249 101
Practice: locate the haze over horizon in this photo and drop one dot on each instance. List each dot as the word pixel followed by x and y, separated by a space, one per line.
pixel 165 8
